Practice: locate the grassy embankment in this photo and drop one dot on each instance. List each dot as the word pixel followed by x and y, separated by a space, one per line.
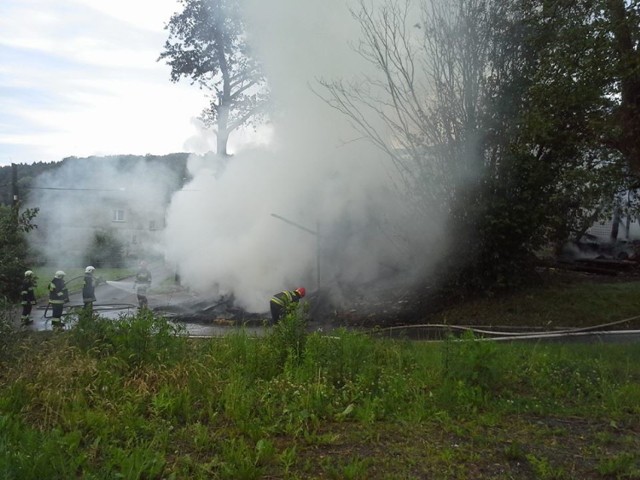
pixel 563 301
pixel 133 400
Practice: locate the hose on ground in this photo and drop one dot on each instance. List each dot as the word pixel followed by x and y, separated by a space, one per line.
pixel 495 333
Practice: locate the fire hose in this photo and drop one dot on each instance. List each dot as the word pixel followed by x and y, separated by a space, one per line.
pixel 506 335
pixel 110 306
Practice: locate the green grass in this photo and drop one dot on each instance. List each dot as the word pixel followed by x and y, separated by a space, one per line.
pixel 557 304
pixel 136 399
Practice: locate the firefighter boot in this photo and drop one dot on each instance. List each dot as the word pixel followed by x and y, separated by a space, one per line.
pixel 57 325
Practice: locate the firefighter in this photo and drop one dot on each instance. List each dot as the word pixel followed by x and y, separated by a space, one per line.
pixel 89 288
pixel 142 283
pixel 28 296
pixel 58 296
pixel 281 302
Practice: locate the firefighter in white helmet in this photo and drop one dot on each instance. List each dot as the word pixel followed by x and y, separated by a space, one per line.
pixel 58 296
pixel 142 283
pixel 28 296
pixel 89 288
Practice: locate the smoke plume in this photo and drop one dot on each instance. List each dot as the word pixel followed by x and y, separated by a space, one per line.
pixel 317 206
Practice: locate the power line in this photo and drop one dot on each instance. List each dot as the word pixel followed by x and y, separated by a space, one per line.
pixel 78 189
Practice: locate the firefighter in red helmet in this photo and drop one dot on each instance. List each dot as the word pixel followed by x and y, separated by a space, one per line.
pixel 281 302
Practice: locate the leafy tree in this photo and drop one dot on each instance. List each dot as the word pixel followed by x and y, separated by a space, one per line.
pixel 592 48
pixel 207 43
pixel 482 129
pixel 582 96
pixel 623 19
pixel 560 121
pixel 13 248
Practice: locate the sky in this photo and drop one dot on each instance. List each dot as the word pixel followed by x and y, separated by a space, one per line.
pixel 81 78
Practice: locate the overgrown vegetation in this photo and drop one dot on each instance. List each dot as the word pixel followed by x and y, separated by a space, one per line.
pixel 563 301
pixel 511 119
pixel 134 398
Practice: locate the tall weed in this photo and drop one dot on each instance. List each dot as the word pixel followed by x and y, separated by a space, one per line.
pixel 143 338
pixel 8 332
pixel 288 337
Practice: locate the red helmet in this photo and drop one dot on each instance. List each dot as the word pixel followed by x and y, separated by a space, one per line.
pixel 301 291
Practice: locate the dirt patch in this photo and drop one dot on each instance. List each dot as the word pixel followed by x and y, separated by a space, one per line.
pixel 513 447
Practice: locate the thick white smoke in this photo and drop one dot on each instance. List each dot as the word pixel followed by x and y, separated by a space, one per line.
pixel 120 198
pixel 315 172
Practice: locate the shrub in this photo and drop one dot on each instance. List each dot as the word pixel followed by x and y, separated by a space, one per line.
pixel 7 330
pixel 134 339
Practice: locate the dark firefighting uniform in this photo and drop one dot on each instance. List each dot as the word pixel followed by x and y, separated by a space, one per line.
pixel 58 296
pixel 28 299
pixel 89 290
pixel 141 284
pixel 280 302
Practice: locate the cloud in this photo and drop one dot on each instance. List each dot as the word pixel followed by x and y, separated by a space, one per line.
pixel 81 78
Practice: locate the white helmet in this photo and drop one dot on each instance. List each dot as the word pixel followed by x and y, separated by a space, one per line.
pixel 89 269
pixel 28 273
pixel 60 274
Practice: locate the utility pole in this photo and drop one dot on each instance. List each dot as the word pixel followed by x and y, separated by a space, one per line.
pixel 14 193
pixel 315 233
pixel 14 185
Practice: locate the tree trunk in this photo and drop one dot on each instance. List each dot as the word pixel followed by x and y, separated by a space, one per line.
pixel 223 131
pixel 616 225
pixel 628 114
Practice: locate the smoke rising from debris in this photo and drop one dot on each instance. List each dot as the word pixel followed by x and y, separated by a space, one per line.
pixel 316 173
pixel 263 220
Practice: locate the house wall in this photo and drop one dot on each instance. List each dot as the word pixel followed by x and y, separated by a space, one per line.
pixel 603 230
pixel 68 224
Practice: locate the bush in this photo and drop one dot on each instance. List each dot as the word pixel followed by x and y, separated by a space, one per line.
pixel 105 251
pixel 289 336
pixel 140 339
pixel 7 330
pixel 472 371
pixel 13 249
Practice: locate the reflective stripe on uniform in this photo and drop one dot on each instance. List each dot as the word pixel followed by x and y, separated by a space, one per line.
pixel 281 301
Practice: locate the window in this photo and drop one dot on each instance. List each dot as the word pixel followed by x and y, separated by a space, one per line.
pixel 118 215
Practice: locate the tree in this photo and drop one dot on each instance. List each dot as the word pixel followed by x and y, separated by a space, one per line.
pixel 483 127
pixel 13 248
pixel 208 44
pixel 596 46
pixel 583 96
pixel 557 82
pixel 623 18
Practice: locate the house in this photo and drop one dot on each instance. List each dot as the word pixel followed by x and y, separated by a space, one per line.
pixel 103 212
